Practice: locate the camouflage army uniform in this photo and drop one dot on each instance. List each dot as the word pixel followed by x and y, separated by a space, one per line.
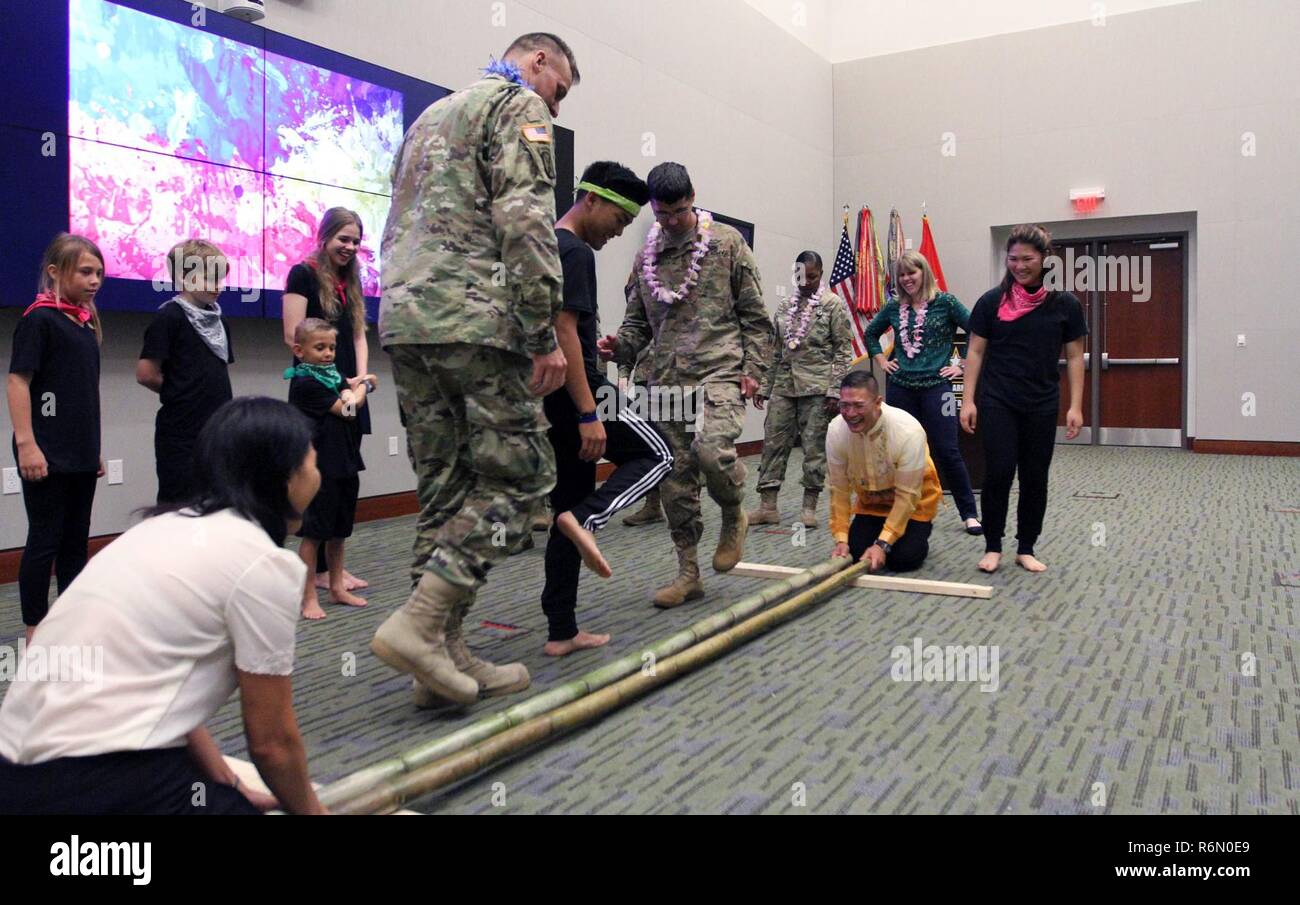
pixel 797 387
pixel 710 339
pixel 471 287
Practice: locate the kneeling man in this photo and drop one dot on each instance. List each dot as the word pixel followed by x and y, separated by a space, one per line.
pixel 879 453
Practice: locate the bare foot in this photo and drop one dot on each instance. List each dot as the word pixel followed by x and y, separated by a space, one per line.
pixel 341 595
pixel 350 581
pixel 311 607
pixel 585 541
pixel 1030 563
pixel 990 562
pixel 581 641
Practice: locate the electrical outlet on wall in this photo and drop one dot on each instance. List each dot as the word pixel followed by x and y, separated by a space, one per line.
pixel 392 446
pixel 12 483
pixel 115 471
pixel 1241 340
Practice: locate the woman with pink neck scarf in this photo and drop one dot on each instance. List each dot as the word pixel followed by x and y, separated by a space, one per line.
pixel 1017 331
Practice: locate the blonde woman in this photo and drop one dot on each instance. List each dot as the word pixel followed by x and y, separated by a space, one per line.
pixel 920 376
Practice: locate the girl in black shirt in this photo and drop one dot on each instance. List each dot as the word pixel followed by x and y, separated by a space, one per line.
pixel 53 391
pixel 327 285
pixel 1017 332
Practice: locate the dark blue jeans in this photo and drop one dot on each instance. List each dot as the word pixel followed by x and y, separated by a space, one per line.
pixel 927 406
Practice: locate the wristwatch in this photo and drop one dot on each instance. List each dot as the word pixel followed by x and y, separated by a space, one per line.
pixel 885 545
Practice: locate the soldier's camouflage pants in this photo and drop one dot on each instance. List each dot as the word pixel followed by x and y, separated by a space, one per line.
pixel 709 452
pixel 477 440
pixel 788 418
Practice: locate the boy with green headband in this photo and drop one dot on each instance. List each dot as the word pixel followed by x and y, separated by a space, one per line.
pixel 319 391
pixel 588 418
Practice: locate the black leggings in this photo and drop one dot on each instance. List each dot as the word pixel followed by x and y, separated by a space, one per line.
pixel 58 529
pixel 1015 441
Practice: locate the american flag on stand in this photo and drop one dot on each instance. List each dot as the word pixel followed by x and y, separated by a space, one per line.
pixel 844 276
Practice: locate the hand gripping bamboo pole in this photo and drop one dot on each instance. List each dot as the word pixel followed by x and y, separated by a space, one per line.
pixel 389 794
pixel 336 795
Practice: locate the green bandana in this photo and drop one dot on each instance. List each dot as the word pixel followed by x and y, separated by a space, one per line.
pixel 328 375
pixel 610 195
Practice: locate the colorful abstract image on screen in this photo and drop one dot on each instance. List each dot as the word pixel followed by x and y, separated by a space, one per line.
pixel 179 132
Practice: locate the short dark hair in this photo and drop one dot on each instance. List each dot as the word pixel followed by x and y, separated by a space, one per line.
pixel 861 380
pixel 614 176
pixel 809 257
pixel 544 40
pixel 243 460
pixel 669 182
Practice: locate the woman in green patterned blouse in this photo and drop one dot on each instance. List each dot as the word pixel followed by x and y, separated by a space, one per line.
pixel 920 374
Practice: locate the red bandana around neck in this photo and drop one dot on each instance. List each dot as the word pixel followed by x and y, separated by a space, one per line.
pixel 340 287
pixel 49 300
pixel 1019 302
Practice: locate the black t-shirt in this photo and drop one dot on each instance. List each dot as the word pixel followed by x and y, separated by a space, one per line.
pixel 1021 369
pixel 63 359
pixel 195 381
pixel 578 262
pixel 303 281
pixel 337 440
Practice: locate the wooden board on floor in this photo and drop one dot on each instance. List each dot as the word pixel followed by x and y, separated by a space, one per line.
pixel 879 582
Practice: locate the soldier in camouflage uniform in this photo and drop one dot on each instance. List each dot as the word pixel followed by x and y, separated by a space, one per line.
pixel 652 509
pixel 471 287
pixel 813 353
pixel 695 292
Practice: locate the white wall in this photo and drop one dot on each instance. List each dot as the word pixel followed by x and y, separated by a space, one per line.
pixel 1153 106
pixel 676 78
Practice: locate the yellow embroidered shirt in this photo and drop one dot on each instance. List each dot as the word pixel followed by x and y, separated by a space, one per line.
pixel 888 468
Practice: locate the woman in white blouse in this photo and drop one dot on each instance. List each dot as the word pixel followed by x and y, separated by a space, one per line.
pixel 108 709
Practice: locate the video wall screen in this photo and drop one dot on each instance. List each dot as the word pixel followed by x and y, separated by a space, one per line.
pixel 170 121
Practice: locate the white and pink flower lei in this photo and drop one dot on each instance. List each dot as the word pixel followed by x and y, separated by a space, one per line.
pixel 651 259
pixel 794 335
pixel 911 340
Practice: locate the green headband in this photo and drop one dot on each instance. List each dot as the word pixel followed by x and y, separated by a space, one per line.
pixel 610 195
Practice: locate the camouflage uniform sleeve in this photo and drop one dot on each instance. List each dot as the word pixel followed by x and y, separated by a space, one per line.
pixel 755 328
pixel 778 346
pixel 635 333
pixel 841 348
pixel 522 171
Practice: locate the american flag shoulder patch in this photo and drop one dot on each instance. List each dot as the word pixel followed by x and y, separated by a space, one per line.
pixel 537 132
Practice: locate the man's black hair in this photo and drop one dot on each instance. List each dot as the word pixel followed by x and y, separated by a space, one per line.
pixel 809 257
pixel 861 380
pixel 617 178
pixel 670 183
pixel 544 40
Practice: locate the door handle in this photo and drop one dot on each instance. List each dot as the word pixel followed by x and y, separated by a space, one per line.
pixel 1087 359
pixel 1107 361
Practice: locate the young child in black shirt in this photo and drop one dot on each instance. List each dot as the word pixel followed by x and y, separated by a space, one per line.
pixel 53 394
pixel 319 391
pixel 185 359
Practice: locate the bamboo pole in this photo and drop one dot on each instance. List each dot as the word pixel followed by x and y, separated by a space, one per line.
pixel 390 794
pixel 337 795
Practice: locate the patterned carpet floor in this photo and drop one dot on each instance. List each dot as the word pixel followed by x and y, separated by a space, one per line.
pixel 1153 669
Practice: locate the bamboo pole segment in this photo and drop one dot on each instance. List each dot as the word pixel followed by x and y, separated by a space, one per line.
pixel 390 794
pixel 878 582
pixel 336 795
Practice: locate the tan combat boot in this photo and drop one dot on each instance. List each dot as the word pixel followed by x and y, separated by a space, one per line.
pixel 413 639
pixel 541 521
pixel 809 514
pixel 686 586
pixel 651 511
pixel 766 513
pixel 492 680
pixel 731 545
